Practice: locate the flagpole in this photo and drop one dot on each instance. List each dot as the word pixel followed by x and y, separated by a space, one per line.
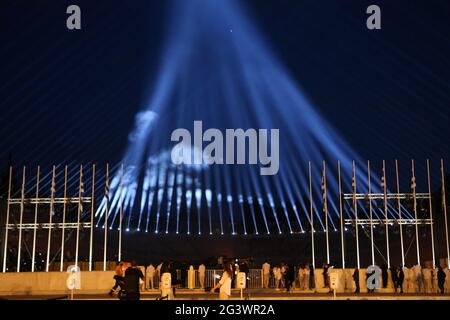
pixel 91 237
pixel 341 216
pixel 119 256
pixel 36 207
pixel 444 205
pixel 413 186
pixel 370 213
pixel 63 236
pixel 5 245
pixel 105 242
pixel 356 215
pixel 386 215
pixel 325 208
pixel 52 198
pixel 431 214
pixel 312 217
pixel 400 213
pixel 80 194
pixel 22 197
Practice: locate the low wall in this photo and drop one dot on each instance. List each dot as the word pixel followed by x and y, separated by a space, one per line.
pixel 54 283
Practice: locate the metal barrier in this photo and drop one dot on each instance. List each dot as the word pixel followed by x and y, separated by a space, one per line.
pixel 212 277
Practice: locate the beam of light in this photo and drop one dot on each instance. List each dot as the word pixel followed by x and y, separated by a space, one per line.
pixel 151 193
pixel 237 74
pixel 229 198
pixel 151 196
pixel 161 186
pixel 208 195
pixel 188 204
pixel 287 187
pixel 272 206
pixel 259 199
pixel 219 197
pixel 252 210
pixel 283 202
pixel 240 178
pixel 180 180
pixel 240 199
pixel 241 207
pixel 198 203
pixel 170 189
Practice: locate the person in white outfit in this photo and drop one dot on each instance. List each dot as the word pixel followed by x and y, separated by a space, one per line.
pixel 142 282
pixel 266 274
pixel 406 283
pixel 283 272
pixel 225 283
pixel 277 276
pixel 150 276
pixel 201 275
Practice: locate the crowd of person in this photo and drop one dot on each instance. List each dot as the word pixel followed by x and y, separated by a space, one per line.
pixel 131 279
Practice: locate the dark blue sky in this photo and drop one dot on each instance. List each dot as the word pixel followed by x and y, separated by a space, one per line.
pixel 72 96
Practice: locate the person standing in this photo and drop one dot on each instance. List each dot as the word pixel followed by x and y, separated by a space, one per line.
pixel 400 277
pixel 407 279
pixel 384 276
pixel 441 279
pixel 150 276
pixel 394 278
pixel 312 279
pixel 283 273
pixel 277 276
pixel 356 280
pixel 301 277
pixel 224 285
pixel 133 276
pixel 266 274
pixel 201 275
pixel 290 277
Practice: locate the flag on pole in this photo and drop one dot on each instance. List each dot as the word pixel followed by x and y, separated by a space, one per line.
pixel 81 190
pixel 324 187
pixel 324 190
pixel 354 190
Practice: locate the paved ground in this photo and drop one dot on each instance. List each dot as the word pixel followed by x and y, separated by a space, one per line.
pixel 250 294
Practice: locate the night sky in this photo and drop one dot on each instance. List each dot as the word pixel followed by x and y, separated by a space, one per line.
pixel 73 95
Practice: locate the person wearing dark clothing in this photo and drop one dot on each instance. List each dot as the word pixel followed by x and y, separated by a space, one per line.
pixel 441 279
pixel 356 279
pixel 394 278
pixel 400 279
pixel 183 274
pixel 131 283
pixel 384 275
pixel 289 277
pixel 312 282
